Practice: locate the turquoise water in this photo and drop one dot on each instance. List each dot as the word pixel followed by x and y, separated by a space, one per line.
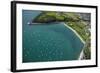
pixel 48 42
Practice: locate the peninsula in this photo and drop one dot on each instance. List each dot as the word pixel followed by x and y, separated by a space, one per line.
pixel 77 21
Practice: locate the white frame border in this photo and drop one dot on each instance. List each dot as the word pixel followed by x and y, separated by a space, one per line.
pixel 38 65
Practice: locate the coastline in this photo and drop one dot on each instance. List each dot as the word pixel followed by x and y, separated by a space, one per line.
pixel 81 54
pixel 75 33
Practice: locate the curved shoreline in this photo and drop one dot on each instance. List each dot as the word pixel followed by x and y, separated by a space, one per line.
pixel 81 54
pixel 75 33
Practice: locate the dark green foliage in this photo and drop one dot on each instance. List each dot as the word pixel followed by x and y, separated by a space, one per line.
pixel 46 17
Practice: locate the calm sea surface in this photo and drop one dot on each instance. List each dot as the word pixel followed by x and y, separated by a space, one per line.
pixel 48 42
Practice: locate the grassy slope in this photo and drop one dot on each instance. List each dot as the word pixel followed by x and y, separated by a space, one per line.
pixel 71 19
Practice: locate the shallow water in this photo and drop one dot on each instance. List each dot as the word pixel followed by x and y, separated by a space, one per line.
pixel 48 42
